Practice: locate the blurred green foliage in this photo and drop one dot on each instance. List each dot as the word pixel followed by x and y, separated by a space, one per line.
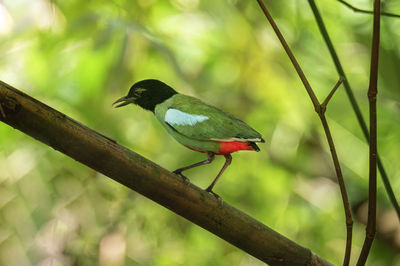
pixel 79 56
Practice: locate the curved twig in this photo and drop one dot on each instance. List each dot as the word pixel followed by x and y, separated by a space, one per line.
pixel 356 9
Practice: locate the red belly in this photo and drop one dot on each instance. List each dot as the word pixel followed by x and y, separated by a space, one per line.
pixel 229 147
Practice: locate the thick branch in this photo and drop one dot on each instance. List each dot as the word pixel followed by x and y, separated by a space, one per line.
pixel 130 169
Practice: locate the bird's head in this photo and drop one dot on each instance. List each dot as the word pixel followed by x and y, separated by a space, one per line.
pixel 147 94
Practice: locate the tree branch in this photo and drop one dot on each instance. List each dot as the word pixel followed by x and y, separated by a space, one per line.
pixel 292 58
pixel 353 102
pixel 104 155
pixel 372 93
pixel 356 9
pixel 2 112
pixel 329 97
pixel 320 110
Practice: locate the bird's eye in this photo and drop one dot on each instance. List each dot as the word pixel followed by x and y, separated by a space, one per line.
pixel 139 91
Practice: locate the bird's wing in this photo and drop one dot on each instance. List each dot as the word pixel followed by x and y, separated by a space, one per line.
pixel 197 120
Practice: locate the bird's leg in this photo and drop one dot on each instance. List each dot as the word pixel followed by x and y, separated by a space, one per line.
pixel 228 161
pixel 211 157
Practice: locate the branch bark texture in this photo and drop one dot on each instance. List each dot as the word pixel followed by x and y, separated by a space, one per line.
pixel 104 155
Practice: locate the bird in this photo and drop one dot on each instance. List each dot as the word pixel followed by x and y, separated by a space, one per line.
pixel 193 123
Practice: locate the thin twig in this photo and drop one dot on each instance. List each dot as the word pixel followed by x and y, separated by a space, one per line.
pixel 345 199
pixel 356 9
pixel 372 93
pixel 291 57
pixel 328 98
pixel 321 113
pixel 353 102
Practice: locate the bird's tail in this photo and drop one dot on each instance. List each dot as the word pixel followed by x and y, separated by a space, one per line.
pixel 254 146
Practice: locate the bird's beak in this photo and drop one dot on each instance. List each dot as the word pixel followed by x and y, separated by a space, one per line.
pixel 124 101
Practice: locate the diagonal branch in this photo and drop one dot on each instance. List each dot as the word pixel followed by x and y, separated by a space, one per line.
pixel 356 9
pixel 372 93
pixel 353 102
pixel 320 109
pixel 130 169
pixel 292 58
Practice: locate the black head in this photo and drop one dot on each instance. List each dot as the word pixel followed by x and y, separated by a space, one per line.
pixel 147 94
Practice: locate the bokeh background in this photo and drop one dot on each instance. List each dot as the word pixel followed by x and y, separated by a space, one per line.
pixel 80 56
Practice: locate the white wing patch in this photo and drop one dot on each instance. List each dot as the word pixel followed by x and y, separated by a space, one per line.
pixel 177 117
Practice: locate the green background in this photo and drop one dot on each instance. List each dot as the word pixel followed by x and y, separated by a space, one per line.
pixel 80 56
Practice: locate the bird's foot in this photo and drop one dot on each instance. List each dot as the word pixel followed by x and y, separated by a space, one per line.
pixel 179 173
pixel 209 190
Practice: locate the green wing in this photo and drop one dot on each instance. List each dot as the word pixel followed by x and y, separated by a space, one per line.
pixel 197 120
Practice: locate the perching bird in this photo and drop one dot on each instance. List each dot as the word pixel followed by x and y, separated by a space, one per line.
pixel 194 124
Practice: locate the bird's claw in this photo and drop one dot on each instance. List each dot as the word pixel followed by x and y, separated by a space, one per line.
pixel 179 173
pixel 209 190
